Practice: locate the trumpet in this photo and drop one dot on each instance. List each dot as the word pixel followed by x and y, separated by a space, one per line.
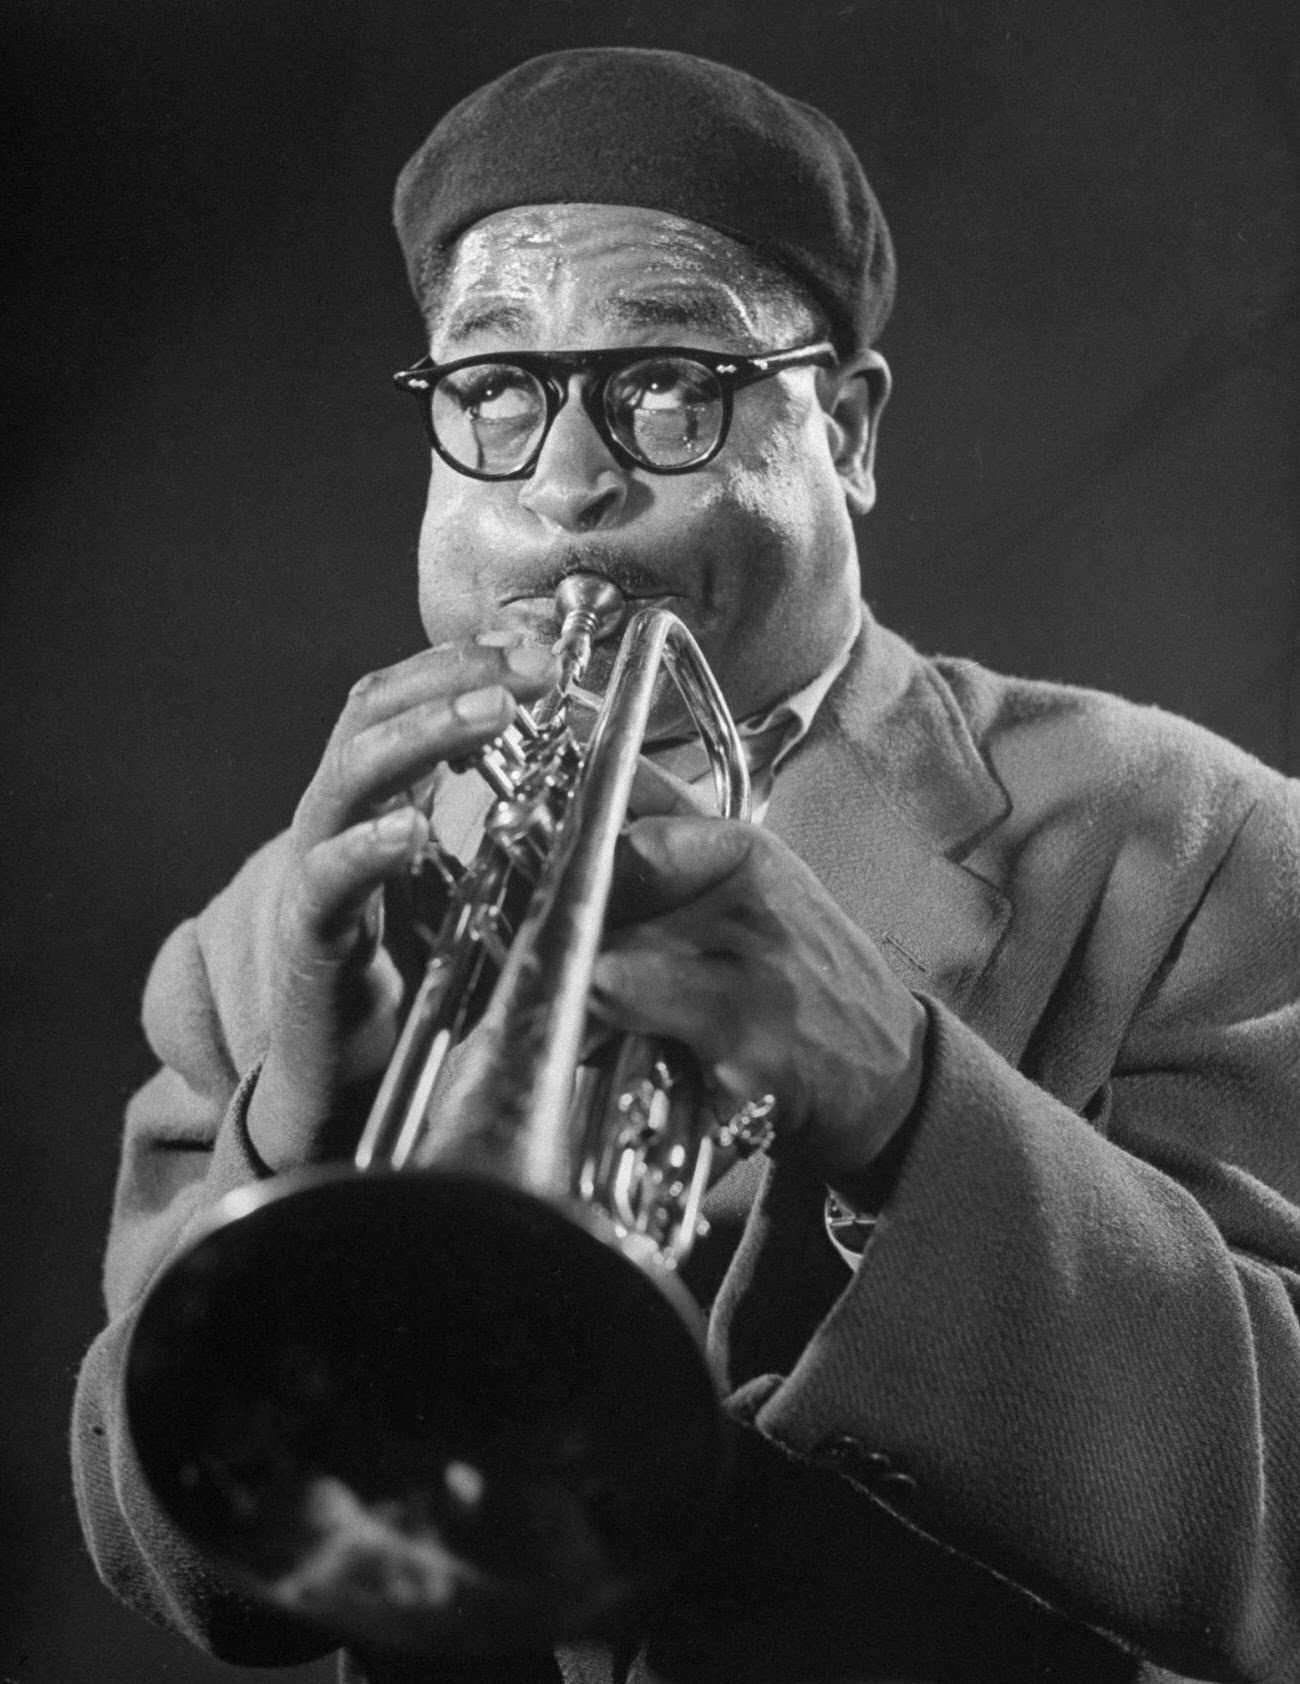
pixel 452 1396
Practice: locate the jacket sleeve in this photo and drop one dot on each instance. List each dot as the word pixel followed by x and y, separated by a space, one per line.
pixel 186 1145
pixel 1074 1340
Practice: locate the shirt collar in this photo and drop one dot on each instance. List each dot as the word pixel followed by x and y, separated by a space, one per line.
pixel 796 712
pixel 767 737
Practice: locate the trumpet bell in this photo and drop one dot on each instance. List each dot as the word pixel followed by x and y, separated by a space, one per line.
pixel 427 1408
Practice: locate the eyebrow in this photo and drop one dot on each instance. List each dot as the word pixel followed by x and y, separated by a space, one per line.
pixel 497 317
pixel 704 309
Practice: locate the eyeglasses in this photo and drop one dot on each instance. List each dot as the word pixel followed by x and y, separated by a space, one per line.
pixel 663 408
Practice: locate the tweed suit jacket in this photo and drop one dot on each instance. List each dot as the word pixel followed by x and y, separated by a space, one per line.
pixel 1050 1427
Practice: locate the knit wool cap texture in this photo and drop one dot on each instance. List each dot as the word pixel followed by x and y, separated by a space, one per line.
pixel 668 132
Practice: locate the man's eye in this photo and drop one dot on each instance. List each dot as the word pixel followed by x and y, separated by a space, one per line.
pixel 496 395
pixel 664 386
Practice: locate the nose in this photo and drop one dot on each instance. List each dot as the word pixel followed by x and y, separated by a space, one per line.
pixel 577 485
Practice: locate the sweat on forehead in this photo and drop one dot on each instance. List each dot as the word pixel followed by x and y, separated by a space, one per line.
pixel 630 268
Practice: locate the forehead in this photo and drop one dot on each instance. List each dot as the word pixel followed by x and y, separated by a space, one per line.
pixel 538 270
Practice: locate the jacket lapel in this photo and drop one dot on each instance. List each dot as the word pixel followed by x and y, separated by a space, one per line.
pixel 884 799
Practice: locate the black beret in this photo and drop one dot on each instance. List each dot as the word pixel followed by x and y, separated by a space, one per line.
pixel 670 132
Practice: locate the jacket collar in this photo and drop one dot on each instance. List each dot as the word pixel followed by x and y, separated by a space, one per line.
pixel 885 798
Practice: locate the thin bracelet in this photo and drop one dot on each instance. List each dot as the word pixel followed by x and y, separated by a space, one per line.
pixel 849 1231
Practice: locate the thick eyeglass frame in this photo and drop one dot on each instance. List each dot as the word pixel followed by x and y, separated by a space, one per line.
pixel 554 369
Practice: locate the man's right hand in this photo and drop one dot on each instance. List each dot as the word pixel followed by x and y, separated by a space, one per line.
pixel 335 991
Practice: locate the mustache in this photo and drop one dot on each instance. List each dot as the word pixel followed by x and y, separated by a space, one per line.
pixel 633 578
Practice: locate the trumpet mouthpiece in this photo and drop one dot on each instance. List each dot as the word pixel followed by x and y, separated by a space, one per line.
pixel 590 610
pixel 597 600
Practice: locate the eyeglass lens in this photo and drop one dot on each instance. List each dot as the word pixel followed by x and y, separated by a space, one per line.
pixel 665 411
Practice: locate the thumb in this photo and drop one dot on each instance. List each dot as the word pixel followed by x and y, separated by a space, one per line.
pixel 659 793
pixel 665 863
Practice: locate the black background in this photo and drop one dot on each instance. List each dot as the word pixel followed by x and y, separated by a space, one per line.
pixel 1088 473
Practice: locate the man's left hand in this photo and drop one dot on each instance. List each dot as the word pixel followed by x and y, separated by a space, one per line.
pixel 722 938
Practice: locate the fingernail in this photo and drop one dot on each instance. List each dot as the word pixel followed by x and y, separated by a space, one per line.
pixel 499 639
pixel 481 707
pixel 531 662
pixel 395 826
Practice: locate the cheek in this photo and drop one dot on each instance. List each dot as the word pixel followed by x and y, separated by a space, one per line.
pixel 454 550
pixel 786 491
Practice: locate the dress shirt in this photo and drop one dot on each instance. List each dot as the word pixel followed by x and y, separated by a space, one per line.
pixel 768 737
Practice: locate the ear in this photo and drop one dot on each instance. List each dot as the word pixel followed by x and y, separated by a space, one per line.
pixel 852 397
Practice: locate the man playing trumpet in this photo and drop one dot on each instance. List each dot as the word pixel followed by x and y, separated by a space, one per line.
pixel 1012 969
